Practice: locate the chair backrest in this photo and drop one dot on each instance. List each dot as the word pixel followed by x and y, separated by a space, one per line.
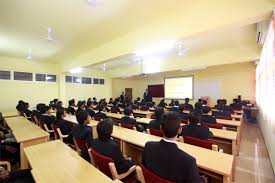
pixel 101 162
pixel 210 125
pixel 198 142
pixel 81 145
pixel 146 176
pixel 184 121
pixel 156 132
pixel 55 127
pixel 127 126
pixel 153 116
pixel 144 108
pixel 222 115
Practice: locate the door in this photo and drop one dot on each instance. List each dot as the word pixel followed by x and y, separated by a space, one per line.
pixel 128 93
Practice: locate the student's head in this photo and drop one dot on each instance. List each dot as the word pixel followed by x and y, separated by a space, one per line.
pixel 177 103
pixel 128 111
pixel 235 100
pixel 172 101
pixel 60 114
pixel 26 105
pixel 199 100
pixel 45 109
pixel 193 119
pixel 170 124
pixel 159 112
pixel 83 118
pixel 181 107
pixel 20 102
pixel 111 99
pixel 104 129
pixel 71 102
pixel 218 101
pixel 162 101
pixel 205 110
pixel 94 99
pixel 138 99
pixel 224 101
pixel 89 104
pixel 204 102
pixel 59 103
pixel 186 100
pixel 39 106
pixel 81 104
pixel 55 100
pixel 100 107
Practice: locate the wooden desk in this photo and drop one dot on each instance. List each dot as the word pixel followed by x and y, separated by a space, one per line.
pixel 213 163
pixel 10 114
pixel 27 134
pixel 56 162
pixel 146 114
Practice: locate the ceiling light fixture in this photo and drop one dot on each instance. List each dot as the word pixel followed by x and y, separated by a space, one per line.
pixel 76 70
pixel 181 49
pixel 29 57
pixel 160 47
pixel 194 68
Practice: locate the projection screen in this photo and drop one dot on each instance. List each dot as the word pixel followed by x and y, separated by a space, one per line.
pixel 179 87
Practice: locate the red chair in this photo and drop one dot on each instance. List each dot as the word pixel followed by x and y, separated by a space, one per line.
pixel 45 127
pixel 155 132
pixel 57 133
pixel 81 145
pixel 146 176
pixel 107 166
pixel 218 126
pixel 153 116
pixel 184 121
pixel 200 143
pixel 97 118
pixel 224 117
pixel 132 127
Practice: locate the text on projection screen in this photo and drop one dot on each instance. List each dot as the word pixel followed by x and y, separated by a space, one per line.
pixel 179 87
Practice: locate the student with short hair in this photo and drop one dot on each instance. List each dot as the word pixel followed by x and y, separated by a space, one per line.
pixel 61 123
pixel 193 129
pixel 187 106
pixel 81 106
pixel 236 105
pixel 165 159
pixel 172 103
pixel 206 118
pixel 115 108
pixel 46 116
pixel 182 114
pixel 90 109
pixel 106 146
pixel 26 110
pixel 82 131
pixel 59 105
pixel 128 111
pixel 162 103
pixel 100 114
pixel 155 123
pixel 71 109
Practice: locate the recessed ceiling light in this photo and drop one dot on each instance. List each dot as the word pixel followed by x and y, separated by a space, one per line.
pixel 76 70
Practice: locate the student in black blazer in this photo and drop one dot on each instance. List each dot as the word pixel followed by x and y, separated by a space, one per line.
pixel 63 125
pixel 115 108
pixel 130 121
pixel 165 159
pixel 182 114
pixel 71 109
pixel 162 103
pixel 81 106
pixel 206 117
pixel 155 124
pixel 46 117
pixel 195 130
pixel 187 106
pixel 89 109
pixel 82 131
pixel 106 146
pixel 100 114
pixel 26 110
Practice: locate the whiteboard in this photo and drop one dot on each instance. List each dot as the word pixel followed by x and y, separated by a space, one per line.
pixel 207 88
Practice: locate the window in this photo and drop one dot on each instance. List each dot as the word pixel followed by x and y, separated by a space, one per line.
pixel 76 79
pixel 40 77
pixel 86 80
pixel 51 78
pixel 69 79
pixel 23 76
pixel 5 75
pixel 95 81
pixel 101 81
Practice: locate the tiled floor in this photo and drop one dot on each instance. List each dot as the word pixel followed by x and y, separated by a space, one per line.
pixel 253 163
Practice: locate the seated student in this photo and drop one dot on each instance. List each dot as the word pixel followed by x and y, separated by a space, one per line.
pixel 176 106
pixel 89 100
pixel 128 111
pixel 46 117
pixel 64 127
pixel 137 101
pixel 199 102
pixel 81 106
pixel 20 105
pixel 26 110
pixel 17 176
pixel 115 108
pixel 204 103
pixel 71 109
pixel 206 117
pixel 59 105
pixel 195 130
pixel 236 105
pixel 90 109
pixel 165 159
pixel 187 106
pixel 198 108
pixel 162 103
pixel 94 101
pixel 37 113
pixel 82 131
pixel 111 101
pixel 226 107
pixel 106 146
pixel 100 114
pixel 172 103
pixel 155 124
pixel 182 114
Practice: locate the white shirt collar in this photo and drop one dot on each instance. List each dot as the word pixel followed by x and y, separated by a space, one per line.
pixel 170 141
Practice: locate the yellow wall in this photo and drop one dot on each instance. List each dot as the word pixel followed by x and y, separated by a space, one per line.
pixel 35 92
pixel 235 79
